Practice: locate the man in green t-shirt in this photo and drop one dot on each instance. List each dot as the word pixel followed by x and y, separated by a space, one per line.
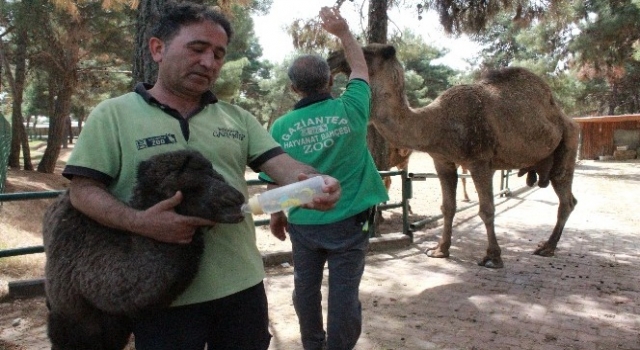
pixel 225 307
pixel 330 134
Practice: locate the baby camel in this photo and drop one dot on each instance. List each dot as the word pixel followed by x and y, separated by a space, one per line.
pixel 507 120
pixel 99 278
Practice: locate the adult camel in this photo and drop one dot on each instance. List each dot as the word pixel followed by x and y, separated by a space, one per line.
pixel 507 120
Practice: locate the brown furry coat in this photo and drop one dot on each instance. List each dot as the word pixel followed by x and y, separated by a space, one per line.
pixel 97 278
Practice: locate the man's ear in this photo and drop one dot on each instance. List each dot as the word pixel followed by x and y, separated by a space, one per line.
pixel 156 47
pixel 330 81
pixel 293 88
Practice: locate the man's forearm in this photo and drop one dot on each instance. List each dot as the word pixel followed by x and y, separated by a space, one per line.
pixel 355 57
pixel 93 200
pixel 284 170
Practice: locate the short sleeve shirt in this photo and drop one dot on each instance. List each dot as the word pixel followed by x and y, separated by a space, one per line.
pixel 123 131
pixel 331 135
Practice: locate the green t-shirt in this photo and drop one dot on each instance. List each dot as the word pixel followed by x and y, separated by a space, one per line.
pixel 331 135
pixel 123 131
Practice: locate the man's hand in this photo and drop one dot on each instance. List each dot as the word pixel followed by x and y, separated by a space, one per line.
pixel 331 188
pixel 162 223
pixel 333 22
pixel 278 225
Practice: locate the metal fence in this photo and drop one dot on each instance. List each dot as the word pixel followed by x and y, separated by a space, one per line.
pixel 407 193
pixel 28 288
pixel 20 196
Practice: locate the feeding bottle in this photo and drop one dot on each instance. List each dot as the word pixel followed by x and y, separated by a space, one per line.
pixel 285 197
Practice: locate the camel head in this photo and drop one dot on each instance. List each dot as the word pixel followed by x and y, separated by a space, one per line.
pixel 206 194
pixel 375 54
pixel 386 78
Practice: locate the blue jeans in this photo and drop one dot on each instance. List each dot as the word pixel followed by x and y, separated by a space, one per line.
pixel 344 246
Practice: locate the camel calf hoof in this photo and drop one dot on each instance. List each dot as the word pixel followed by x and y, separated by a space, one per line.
pixel 491 263
pixel 436 253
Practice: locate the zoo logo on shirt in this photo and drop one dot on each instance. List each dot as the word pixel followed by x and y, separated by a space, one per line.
pixel 156 141
pixel 315 134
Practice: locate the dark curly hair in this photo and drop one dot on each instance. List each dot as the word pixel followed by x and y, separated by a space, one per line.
pixel 175 15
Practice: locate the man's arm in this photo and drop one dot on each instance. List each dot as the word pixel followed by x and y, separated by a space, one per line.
pixel 159 222
pixel 333 23
pixel 285 170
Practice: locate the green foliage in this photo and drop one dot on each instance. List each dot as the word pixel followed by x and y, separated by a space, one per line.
pixel 474 17
pixel 606 51
pixel 36 97
pixel 424 80
pixel 273 97
pixel 105 47
pixel 610 32
pixel 228 84
pixel 588 52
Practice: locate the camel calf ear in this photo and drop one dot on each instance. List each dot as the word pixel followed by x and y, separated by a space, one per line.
pixel 388 52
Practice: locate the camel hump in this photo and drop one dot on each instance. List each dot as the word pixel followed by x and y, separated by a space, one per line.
pixel 518 77
pixel 508 75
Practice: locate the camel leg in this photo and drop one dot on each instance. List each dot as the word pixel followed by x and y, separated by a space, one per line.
pixel 561 181
pixel 448 176
pixel 483 180
pixel 561 175
pixel 566 206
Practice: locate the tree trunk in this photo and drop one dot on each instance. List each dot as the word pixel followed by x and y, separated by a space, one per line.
pixel 145 69
pixel 18 133
pixel 378 21
pixel 378 146
pixel 62 108
pixel 613 98
pixel 68 132
pixel 377 33
pixel 81 119
pixel 63 82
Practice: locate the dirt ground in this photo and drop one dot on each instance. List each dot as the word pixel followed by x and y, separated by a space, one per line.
pixel 586 297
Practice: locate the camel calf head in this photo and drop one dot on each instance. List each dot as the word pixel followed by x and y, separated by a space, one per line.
pixel 205 192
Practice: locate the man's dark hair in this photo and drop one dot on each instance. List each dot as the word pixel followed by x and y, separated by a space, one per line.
pixel 310 74
pixel 175 15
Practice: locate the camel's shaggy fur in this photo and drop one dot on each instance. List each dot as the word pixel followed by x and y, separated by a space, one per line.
pixel 98 278
pixel 507 120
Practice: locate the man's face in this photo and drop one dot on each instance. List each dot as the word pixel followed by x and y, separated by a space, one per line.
pixel 190 63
